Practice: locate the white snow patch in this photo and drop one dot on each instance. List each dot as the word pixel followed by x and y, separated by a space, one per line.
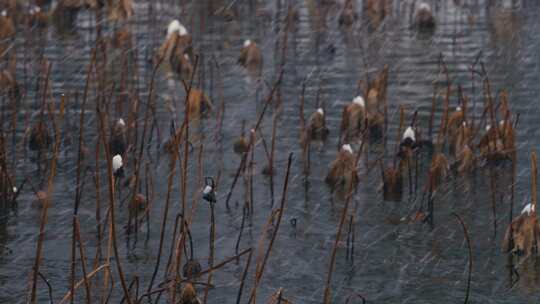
pixel 409 133
pixel 347 148
pixel 359 100
pixel 117 162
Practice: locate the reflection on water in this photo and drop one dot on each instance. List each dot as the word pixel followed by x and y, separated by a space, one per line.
pixel 394 260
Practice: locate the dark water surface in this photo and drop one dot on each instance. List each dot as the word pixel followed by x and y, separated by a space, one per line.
pixel 394 262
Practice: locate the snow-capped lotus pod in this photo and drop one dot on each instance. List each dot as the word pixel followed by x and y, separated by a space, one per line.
pixel 118 166
pixel 347 148
pixel 251 56
pixel 316 129
pixel 424 18
pixel 117 162
pixel 209 194
pixel 359 100
pixel 409 134
pixel 176 27
pixel 207 190
pixel 342 176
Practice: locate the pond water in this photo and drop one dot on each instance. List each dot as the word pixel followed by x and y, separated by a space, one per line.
pixel 394 261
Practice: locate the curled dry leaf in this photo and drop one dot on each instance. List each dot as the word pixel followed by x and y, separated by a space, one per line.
pixel 393 183
pixel 188 295
pixel 342 178
pixel 121 10
pixel 522 237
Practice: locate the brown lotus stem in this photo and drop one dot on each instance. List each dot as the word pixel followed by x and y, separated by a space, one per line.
pixel 181 243
pixel 271 160
pixel 134 282
pixel 244 215
pixel 149 190
pixel 284 41
pixel 349 238
pixel 49 287
pixel 466 233
pixel 265 146
pixel 489 101
pixel 433 108
pixel 326 299
pixel 39 248
pixel 238 171
pixel 83 261
pixel 511 215
pixel 81 282
pixel 244 276
pixel 112 231
pixel 221 110
pixel 464 105
pixel 179 217
pixel 257 125
pixel 223 263
pixel 473 67
pixel 301 113
pixel 260 266
pixel 212 248
pixel 400 128
pixel 78 193
pixel 533 179
pixel 139 159
pixel 43 219
pixel 493 182
pixel 166 209
pixel 165 212
pixel 251 164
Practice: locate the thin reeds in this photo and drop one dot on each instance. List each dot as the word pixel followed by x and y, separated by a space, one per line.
pixel 172 251
pixel 46 203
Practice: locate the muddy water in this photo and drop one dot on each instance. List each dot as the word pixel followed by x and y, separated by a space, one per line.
pixel 394 262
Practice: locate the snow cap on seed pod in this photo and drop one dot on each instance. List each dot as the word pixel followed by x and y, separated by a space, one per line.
pixel 528 209
pixel 34 9
pixel 409 133
pixel 424 6
pixel 347 148
pixel 209 194
pixel 176 27
pixel 117 163
pixel 359 100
